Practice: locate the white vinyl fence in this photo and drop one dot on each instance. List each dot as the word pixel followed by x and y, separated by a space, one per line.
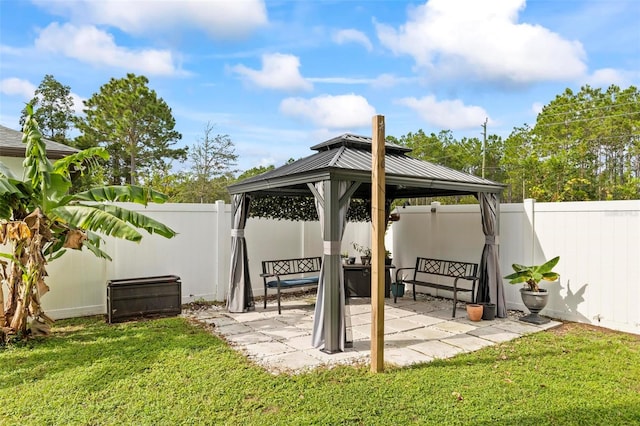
pixel 598 244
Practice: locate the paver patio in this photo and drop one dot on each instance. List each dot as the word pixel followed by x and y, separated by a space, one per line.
pixel 415 332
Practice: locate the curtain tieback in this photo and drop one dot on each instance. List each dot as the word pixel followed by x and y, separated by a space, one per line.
pixel 237 233
pixel 331 247
pixel 491 240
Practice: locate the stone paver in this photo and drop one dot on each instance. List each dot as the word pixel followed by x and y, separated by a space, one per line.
pixel 436 349
pixel 518 327
pixel 267 348
pixel 401 324
pixel 248 338
pixel 286 332
pixel 467 342
pixel 494 334
pixel 423 319
pixel 400 340
pixel 415 332
pixel 405 357
pixel 454 327
pixel 429 333
pixel 231 329
pixel 300 343
pixel 295 362
pixel 360 319
pixel 266 324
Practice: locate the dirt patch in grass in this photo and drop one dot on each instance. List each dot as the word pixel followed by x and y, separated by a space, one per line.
pixel 568 327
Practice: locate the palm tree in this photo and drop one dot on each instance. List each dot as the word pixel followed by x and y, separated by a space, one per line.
pixel 40 219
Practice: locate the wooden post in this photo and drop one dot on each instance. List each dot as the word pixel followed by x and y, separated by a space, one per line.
pixel 378 220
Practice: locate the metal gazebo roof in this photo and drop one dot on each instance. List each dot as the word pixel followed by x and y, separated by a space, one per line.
pixel 348 157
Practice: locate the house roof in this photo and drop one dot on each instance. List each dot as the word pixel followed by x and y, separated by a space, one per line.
pixel 348 157
pixel 11 145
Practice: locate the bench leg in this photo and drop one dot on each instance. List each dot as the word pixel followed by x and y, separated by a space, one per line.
pixel 279 312
pixel 414 292
pixel 455 303
pixel 265 297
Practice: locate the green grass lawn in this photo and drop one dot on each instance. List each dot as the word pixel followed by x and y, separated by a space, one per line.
pixel 169 372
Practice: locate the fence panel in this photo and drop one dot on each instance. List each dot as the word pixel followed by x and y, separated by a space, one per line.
pixel 598 242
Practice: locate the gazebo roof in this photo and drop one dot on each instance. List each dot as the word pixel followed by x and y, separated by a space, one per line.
pixel 348 157
pixel 11 145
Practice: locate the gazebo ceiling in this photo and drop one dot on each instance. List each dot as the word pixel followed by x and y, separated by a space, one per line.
pixel 348 157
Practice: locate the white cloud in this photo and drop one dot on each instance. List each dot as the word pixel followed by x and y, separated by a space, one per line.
pixel 341 80
pixel 94 46
pixel 390 80
pixel 484 39
pixel 352 36
pixel 17 87
pixel 536 107
pixel 381 81
pixel 221 19
pixel 451 115
pixel 78 103
pixel 334 112
pixel 605 77
pixel 279 72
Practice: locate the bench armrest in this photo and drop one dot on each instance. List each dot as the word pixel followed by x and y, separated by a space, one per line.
pixel 268 275
pixel 470 278
pixel 402 269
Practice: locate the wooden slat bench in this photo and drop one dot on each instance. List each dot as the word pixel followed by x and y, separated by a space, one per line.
pixel 299 268
pixel 427 268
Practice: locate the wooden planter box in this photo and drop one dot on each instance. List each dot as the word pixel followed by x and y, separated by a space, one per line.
pixel 142 297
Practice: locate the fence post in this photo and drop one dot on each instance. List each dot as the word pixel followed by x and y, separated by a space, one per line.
pixel 222 258
pixel 529 230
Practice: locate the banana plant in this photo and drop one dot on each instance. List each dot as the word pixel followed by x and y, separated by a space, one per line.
pixel 532 275
pixel 40 220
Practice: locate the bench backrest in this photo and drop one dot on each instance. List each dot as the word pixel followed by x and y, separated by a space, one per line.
pixel 292 266
pixel 447 268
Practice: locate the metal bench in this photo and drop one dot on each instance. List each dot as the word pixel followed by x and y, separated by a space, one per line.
pixel 274 270
pixel 427 268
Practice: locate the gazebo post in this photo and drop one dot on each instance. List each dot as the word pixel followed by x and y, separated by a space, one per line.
pixel 332 268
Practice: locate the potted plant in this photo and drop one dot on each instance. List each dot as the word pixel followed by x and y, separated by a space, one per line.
pixel 534 297
pixel 474 311
pixel 365 252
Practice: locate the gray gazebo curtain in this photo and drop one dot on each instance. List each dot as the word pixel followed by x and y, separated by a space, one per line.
pixel 318 336
pixel 240 298
pixel 490 288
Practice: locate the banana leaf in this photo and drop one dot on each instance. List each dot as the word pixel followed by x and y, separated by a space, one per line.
pixel 129 193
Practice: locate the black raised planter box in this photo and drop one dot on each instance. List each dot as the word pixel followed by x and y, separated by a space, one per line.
pixel 142 297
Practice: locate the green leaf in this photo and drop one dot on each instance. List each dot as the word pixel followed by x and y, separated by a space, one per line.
pixel 58 186
pixel 64 164
pixel 14 260
pixel 96 250
pixel 5 171
pixel 548 266
pixel 7 186
pixel 128 193
pixel 518 268
pixel 94 219
pixel 137 219
pixel 550 276
pixel 56 255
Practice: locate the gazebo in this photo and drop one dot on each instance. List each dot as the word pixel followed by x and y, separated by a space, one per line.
pixel 338 172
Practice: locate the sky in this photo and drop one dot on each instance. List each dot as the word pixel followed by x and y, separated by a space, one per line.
pixel 280 76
